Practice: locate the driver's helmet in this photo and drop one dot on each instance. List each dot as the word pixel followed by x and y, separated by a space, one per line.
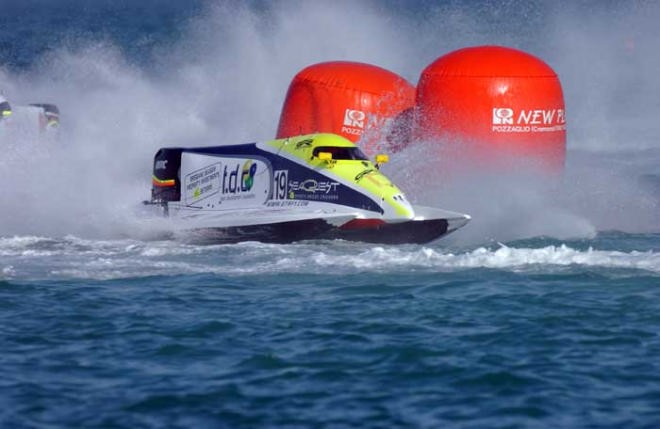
pixel 5 108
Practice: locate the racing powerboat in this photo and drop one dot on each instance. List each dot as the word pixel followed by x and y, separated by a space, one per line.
pixel 30 121
pixel 317 186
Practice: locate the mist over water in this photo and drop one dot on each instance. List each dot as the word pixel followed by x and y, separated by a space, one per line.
pixel 224 80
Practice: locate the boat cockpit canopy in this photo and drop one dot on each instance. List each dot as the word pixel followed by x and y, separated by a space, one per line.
pixel 341 152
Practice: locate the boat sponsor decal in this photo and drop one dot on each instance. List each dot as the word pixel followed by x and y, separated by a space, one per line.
pixel 311 189
pixel 202 183
pixel 313 186
pixel 303 144
pixel 240 183
pixel 223 182
pixel 238 179
pixel 307 189
pixel 508 120
pixel 287 203
pixel 161 164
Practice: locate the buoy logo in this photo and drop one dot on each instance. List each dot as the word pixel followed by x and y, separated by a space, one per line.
pixel 354 118
pixel 506 120
pixel 502 116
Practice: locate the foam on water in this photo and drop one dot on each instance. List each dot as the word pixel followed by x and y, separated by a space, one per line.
pixel 36 257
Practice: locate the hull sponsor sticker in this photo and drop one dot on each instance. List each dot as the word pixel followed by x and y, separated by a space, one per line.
pixel 308 189
pixel 287 203
pixel 202 183
pixel 244 183
pixel 232 182
pixel 311 189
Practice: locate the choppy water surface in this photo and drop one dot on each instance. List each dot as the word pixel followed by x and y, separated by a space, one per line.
pixel 330 334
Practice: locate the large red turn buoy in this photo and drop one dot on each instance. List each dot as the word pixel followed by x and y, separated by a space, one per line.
pixel 366 104
pixel 490 102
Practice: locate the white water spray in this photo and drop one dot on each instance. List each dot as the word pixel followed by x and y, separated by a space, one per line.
pixel 225 80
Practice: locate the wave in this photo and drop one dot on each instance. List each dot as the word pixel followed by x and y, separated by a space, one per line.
pixel 30 257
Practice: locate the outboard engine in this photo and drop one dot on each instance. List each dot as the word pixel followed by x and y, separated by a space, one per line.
pixel 166 184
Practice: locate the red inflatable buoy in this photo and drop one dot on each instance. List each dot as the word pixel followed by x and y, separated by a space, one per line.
pixel 491 100
pixel 364 103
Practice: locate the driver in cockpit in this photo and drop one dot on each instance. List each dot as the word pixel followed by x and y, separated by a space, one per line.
pixel 5 108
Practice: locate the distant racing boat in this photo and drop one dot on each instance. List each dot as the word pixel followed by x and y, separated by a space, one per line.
pixel 29 121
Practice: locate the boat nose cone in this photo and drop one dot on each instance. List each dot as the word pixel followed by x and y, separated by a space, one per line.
pixel 458 222
pixel 402 209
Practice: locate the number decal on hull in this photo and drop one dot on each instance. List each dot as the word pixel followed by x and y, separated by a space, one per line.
pixel 281 180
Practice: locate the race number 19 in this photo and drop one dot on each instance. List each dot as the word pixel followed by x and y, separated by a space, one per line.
pixel 281 179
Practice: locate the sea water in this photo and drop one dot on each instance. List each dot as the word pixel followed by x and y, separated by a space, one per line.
pixel 544 311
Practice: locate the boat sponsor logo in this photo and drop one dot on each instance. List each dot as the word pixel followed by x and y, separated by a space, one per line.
pixel 202 183
pixel 313 186
pixel 354 122
pixel 508 120
pixel 287 203
pixel 161 164
pixel 247 178
pixel 303 144
pixel 243 183
pixel 214 182
pixel 308 189
pixel 311 189
pixel 238 178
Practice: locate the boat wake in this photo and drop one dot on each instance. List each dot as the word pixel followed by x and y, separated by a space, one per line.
pixel 33 258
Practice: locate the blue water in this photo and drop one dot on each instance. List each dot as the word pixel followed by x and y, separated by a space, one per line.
pixel 330 334
pixel 543 312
